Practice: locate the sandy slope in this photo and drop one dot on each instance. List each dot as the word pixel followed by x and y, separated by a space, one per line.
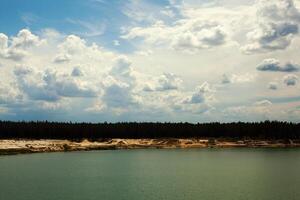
pixel 31 146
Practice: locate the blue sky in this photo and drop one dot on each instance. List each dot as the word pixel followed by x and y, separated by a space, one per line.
pixel 97 20
pixel 67 16
pixel 149 60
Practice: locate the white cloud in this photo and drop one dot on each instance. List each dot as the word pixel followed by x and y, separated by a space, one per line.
pixel 165 82
pixel 263 103
pixel 16 48
pixel 272 64
pixel 32 85
pixel 187 34
pixel 201 95
pixel 122 70
pixel 54 70
pixel 9 94
pixel 72 45
pixel 119 85
pixel 273 85
pixel 277 25
pixel 267 25
pixel 49 85
pixel 237 78
pixel 25 39
pixel 77 71
pixel 62 58
pixel 3 42
pixel 290 79
pixel 118 94
pixel 67 86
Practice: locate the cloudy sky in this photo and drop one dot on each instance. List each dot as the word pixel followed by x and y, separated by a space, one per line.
pixel 150 60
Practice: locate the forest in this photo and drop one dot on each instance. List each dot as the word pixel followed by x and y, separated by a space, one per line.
pixel 95 131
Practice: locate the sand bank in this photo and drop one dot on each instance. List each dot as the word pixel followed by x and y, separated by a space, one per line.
pixel 32 146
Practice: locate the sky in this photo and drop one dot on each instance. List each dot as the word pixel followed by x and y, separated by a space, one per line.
pixel 150 60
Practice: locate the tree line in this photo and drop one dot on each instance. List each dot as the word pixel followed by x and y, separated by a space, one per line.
pixel 95 131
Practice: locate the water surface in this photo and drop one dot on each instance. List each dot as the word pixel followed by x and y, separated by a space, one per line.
pixel 206 174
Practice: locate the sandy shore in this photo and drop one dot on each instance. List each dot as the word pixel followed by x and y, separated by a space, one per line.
pixel 32 146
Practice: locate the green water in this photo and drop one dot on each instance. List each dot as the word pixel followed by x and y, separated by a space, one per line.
pixel 227 174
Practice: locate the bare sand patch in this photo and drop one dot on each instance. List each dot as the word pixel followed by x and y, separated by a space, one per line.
pixel 32 146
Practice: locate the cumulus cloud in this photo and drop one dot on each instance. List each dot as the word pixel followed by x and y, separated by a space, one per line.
pixel 198 102
pixel 272 64
pixel 166 82
pixel 119 85
pixel 3 41
pixel 68 67
pixel 67 71
pixel 187 34
pixel 61 58
pixel 268 26
pixel 67 86
pixel 273 86
pixel 49 78
pixel 290 79
pixel 53 67
pixel 122 70
pixel 118 94
pixel 15 48
pixel 202 93
pixel 237 78
pixel 72 44
pixel 74 48
pixel 9 94
pixel 25 39
pixel 76 72
pixel 48 85
pixel 199 35
pixel 277 24
pixel 32 85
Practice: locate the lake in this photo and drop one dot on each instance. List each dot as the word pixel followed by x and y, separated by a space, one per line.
pixel 206 174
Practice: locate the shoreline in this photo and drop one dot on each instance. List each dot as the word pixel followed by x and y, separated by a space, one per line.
pixel 10 147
